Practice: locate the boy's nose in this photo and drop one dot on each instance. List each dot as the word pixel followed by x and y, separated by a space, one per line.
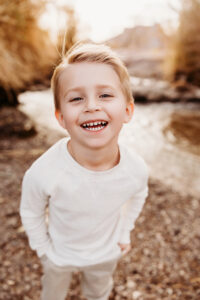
pixel 92 105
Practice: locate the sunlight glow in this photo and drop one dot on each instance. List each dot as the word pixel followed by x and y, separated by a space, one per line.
pixel 104 19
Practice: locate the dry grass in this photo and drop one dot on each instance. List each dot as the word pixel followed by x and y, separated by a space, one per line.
pixel 183 59
pixel 27 53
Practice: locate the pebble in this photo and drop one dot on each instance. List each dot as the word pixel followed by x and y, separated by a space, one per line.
pixel 146 251
pixel 182 272
pixel 130 284
pixel 169 291
pixel 119 288
pixel 136 295
pixel 6 263
pixel 140 235
pixel 1 200
pixel 10 282
pixel 195 203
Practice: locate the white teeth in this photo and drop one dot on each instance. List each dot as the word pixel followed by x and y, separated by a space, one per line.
pixel 95 129
pixel 88 125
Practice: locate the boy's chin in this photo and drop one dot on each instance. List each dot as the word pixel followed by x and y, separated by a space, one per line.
pixel 95 143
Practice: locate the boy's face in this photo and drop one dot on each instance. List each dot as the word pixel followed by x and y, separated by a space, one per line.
pixel 93 107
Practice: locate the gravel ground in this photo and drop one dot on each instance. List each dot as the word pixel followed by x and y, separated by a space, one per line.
pixel 164 262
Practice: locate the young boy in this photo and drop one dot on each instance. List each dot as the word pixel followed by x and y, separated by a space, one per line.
pixel 93 187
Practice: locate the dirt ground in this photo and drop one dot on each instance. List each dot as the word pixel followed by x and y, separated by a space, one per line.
pixel 163 264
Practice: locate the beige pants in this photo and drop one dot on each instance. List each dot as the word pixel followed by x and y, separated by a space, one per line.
pixel 96 280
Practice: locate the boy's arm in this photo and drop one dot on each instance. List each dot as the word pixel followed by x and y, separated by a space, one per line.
pixel 32 211
pixel 132 210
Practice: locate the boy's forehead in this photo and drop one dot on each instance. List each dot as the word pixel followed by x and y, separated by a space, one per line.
pixel 87 74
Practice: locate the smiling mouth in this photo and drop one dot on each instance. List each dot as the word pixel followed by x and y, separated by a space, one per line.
pixel 94 126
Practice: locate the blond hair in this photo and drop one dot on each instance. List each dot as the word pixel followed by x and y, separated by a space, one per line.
pixel 94 53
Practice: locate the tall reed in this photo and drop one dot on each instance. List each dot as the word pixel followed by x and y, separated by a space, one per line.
pixel 183 59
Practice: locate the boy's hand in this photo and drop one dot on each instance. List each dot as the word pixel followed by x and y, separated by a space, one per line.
pixel 125 248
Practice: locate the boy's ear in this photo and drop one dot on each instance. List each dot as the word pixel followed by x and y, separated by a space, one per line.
pixel 59 117
pixel 129 111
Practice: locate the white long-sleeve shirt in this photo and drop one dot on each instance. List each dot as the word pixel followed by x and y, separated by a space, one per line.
pixel 89 212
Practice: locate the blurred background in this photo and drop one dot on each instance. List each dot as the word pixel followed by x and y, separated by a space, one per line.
pixel 158 40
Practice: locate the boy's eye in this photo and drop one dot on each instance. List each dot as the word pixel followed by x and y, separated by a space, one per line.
pixel 76 99
pixel 105 96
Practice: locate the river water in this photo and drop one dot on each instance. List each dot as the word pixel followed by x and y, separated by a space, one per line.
pixel 170 163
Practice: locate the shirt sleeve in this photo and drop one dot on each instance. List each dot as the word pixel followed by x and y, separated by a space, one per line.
pixel 132 209
pixel 33 213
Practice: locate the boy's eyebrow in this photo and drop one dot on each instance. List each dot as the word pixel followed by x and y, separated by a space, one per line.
pixel 77 89
pixel 81 88
pixel 104 86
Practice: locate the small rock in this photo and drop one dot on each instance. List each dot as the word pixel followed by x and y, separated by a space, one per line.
pixel 136 295
pixel 124 293
pixel 119 288
pixel 10 282
pixel 182 272
pixel 1 200
pixel 27 287
pixel 146 251
pixel 169 291
pixel 195 203
pixel 130 284
pixel 6 263
pixel 140 235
